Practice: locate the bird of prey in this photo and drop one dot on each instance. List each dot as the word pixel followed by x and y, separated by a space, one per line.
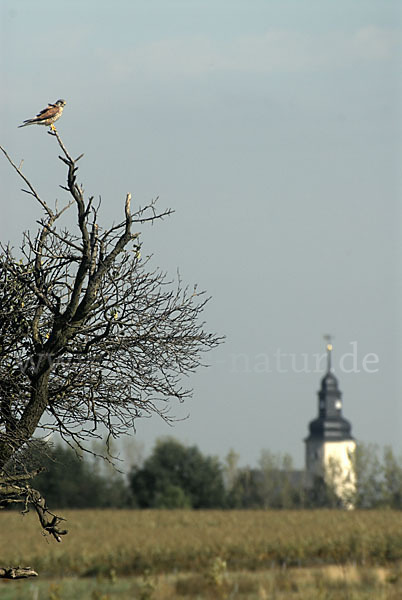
pixel 47 116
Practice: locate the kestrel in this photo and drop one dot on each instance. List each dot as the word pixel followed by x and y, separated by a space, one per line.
pixel 47 116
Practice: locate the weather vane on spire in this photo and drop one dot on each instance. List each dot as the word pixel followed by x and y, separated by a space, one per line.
pixel 328 338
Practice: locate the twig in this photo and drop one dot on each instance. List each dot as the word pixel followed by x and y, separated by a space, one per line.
pixel 32 191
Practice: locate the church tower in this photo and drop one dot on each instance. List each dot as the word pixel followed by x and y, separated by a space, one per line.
pixel 330 444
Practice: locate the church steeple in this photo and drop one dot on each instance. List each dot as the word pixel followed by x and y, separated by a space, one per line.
pixel 330 403
pixel 330 424
pixel 330 446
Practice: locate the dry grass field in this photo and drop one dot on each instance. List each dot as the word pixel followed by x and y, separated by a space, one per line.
pixel 155 555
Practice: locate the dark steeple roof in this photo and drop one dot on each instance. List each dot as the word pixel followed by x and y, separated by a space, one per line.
pixel 330 424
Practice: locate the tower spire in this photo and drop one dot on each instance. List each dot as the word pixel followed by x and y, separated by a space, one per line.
pixel 328 338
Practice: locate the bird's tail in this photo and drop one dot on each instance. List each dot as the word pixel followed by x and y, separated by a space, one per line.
pixel 28 122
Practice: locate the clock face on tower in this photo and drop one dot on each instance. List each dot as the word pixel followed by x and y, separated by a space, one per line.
pixel 338 404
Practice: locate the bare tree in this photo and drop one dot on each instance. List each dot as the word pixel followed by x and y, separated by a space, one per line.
pixel 91 337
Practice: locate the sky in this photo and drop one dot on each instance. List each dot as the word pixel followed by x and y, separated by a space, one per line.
pixel 273 129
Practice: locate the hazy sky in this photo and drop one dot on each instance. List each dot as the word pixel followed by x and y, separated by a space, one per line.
pixel 273 129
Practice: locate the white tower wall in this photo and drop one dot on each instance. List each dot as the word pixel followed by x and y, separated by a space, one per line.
pixel 334 462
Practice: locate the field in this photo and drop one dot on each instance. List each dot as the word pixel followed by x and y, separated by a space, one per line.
pixel 256 555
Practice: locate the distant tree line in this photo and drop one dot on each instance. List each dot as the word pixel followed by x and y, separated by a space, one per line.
pixel 179 476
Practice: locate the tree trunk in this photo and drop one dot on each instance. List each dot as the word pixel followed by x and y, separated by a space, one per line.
pixel 24 429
